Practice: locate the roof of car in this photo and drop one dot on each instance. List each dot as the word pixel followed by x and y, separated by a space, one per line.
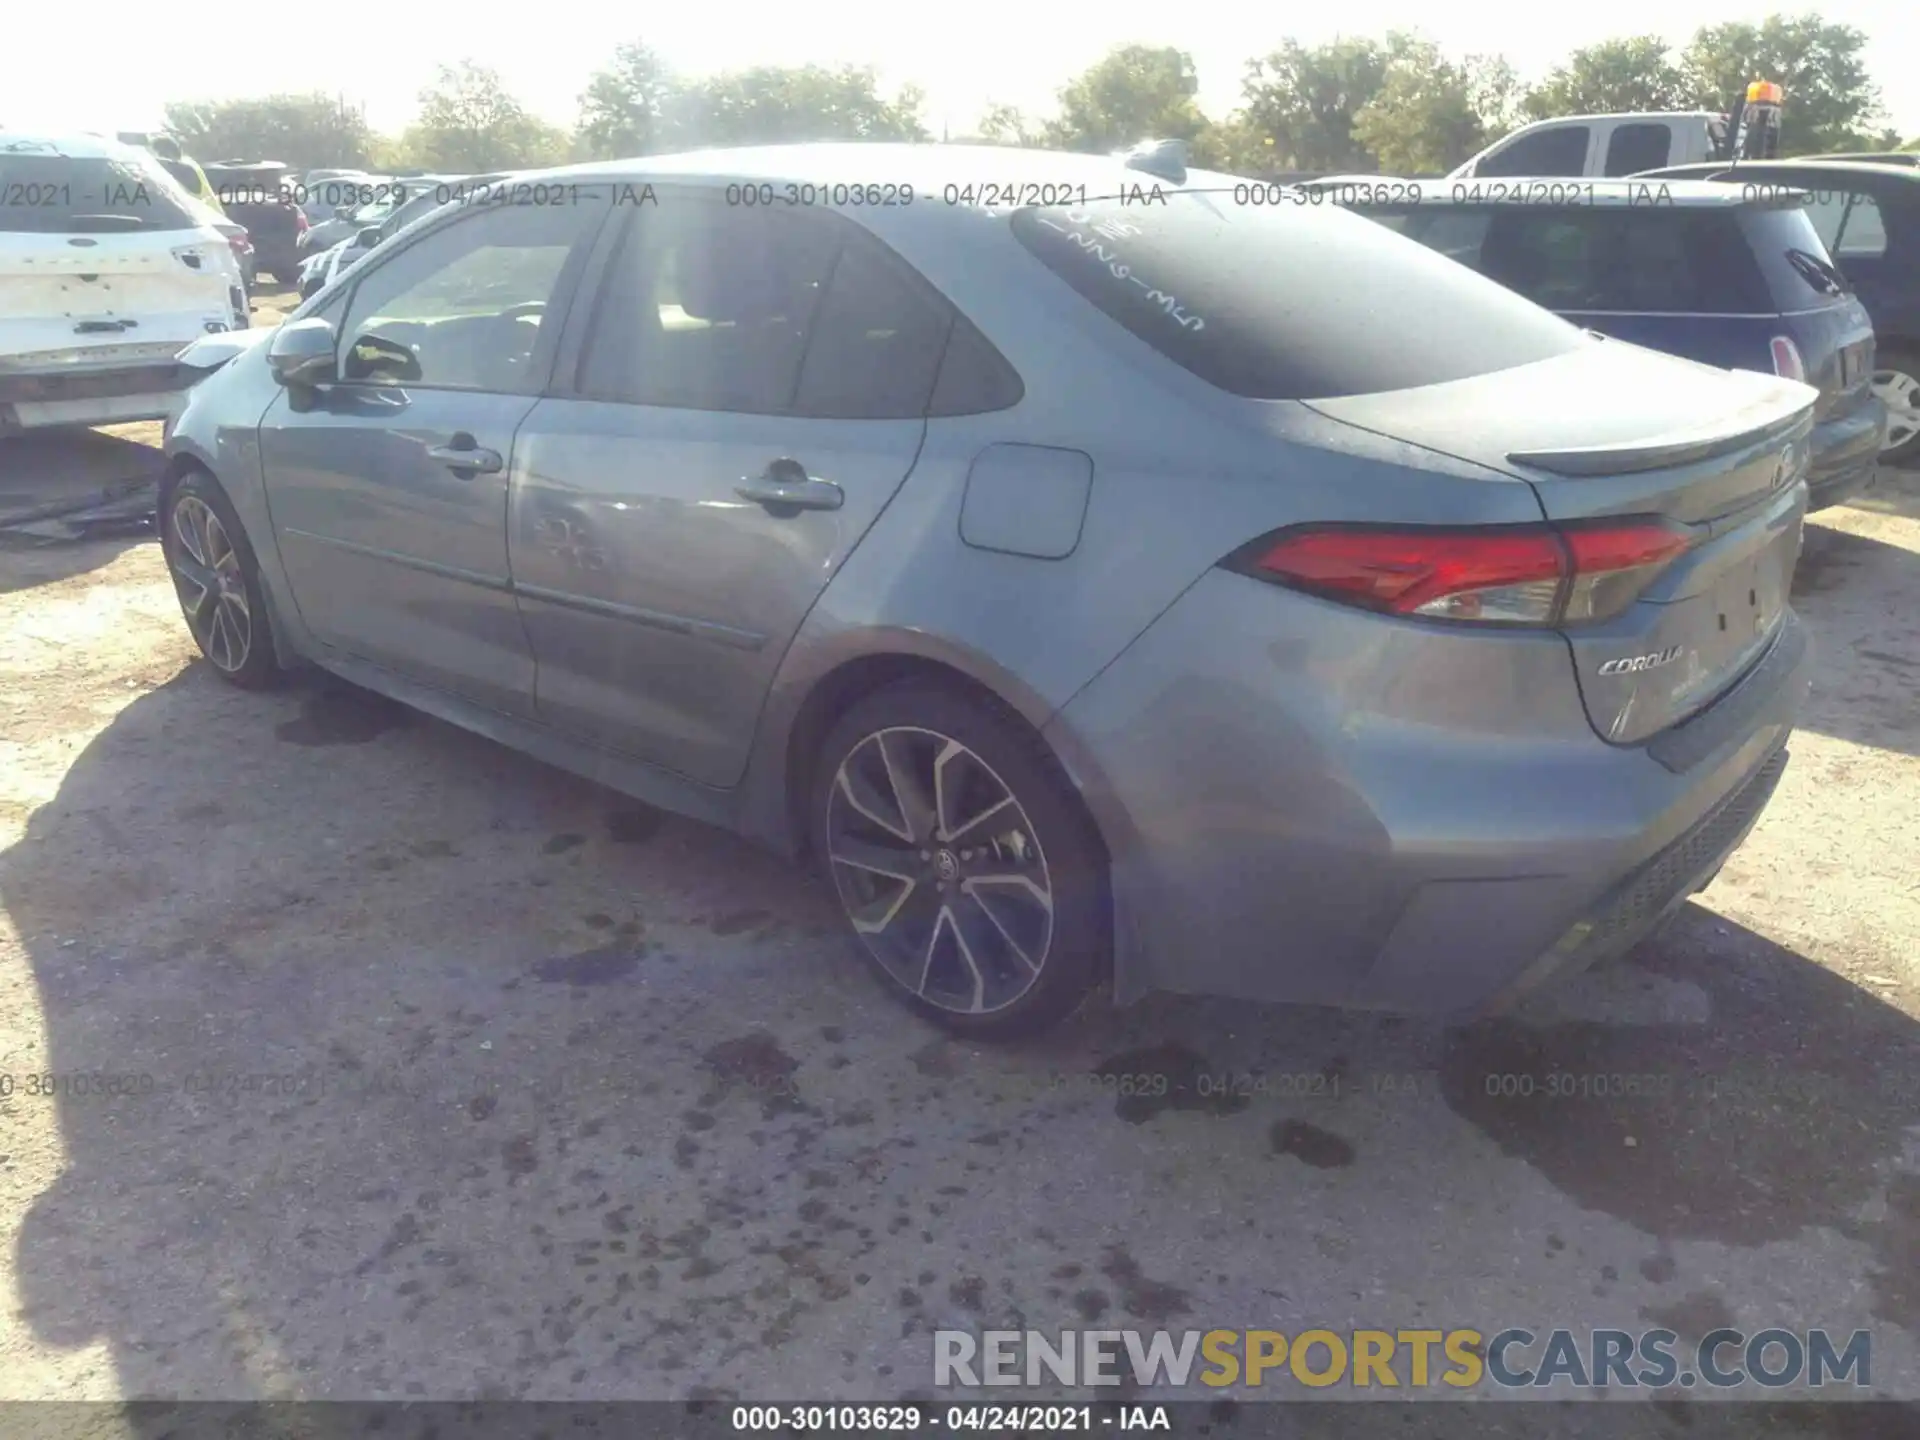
pixel 1649 192
pixel 72 147
pixel 925 167
pixel 1863 169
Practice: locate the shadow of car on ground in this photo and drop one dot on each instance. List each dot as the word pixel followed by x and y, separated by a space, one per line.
pixel 424 1071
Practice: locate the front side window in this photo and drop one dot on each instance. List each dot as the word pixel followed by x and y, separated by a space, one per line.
pixel 1561 151
pixel 468 302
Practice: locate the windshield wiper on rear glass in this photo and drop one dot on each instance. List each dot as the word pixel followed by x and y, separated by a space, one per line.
pixel 1820 274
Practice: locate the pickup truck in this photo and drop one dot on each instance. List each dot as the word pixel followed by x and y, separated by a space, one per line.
pixel 1603 145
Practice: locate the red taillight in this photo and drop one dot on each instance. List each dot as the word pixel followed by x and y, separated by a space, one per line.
pixel 299 221
pixel 1501 575
pixel 1786 360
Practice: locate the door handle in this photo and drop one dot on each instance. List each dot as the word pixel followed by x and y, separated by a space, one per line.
pixel 785 488
pixel 463 453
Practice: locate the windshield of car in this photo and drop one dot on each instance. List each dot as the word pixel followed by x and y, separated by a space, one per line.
pixel 378 210
pixel 1290 302
pixel 61 194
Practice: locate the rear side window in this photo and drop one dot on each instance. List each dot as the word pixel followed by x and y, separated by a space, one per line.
pixel 1296 302
pixel 1561 151
pixel 58 194
pixel 1799 269
pixel 1639 146
pixel 876 340
pixel 1666 260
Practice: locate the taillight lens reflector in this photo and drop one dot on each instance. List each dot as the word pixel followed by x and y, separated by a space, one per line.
pixel 1786 360
pixel 1540 575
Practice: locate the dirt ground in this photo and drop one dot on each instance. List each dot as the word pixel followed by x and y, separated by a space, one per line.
pixel 453 1076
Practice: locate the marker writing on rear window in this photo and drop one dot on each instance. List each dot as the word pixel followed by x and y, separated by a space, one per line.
pixel 1167 304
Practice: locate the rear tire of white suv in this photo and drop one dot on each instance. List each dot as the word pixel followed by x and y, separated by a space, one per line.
pixel 217 581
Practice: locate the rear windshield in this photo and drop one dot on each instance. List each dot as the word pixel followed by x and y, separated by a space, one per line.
pixel 1641 259
pixel 58 194
pixel 1289 302
pixel 1798 269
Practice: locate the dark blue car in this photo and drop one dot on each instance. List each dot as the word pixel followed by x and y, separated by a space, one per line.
pixel 1735 277
pixel 1868 213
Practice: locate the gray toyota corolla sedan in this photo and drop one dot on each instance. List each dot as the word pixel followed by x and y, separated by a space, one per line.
pixel 1100 576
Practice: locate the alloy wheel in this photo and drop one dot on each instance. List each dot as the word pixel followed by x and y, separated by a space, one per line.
pixel 939 870
pixel 1900 392
pixel 212 590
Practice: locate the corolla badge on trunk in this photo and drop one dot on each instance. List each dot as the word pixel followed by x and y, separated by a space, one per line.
pixel 1633 664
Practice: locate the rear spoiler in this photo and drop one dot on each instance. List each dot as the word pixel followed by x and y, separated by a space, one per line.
pixel 1776 420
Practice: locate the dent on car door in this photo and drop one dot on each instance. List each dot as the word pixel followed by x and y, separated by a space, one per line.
pixel 751 393
pixel 389 485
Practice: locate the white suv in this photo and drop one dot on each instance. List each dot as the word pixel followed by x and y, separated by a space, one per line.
pixel 107 270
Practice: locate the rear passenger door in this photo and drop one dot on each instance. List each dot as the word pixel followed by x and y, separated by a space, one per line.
pixel 1636 145
pixel 742 395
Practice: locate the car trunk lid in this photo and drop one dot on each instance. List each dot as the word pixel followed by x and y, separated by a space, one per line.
pixel 1611 430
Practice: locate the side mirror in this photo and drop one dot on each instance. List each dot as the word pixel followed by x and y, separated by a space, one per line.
pixel 376 358
pixel 368 238
pixel 303 353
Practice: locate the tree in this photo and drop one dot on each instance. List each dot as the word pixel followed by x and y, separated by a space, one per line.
pixel 1634 73
pixel 1830 102
pixel 469 123
pixel 775 104
pixel 626 108
pixel 1301 104
pixel 1428 116
pixel 1496 93
pixel 1008 125
pixel 1134 93
pixel 304 131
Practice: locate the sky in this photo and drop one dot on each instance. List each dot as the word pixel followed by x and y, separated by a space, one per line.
pixel 118 69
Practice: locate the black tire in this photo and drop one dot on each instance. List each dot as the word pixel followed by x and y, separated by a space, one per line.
pixel 1043 842
pixel 1902 360
pixel 226 561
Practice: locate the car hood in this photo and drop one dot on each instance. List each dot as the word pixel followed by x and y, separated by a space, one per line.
pixel 210 352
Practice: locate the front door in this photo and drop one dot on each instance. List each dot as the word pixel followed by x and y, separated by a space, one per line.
pixel 751 394
pixel 389 487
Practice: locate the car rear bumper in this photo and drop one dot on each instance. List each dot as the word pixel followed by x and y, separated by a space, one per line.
pixel 1386 815
pixel 100 396
pixel 1846 454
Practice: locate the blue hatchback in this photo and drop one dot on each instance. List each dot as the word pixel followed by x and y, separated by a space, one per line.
pixel 1736 278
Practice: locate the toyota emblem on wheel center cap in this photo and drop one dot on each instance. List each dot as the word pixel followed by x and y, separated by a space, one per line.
pixel 946 866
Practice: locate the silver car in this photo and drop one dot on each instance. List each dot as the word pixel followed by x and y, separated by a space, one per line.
pixel 1104 578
